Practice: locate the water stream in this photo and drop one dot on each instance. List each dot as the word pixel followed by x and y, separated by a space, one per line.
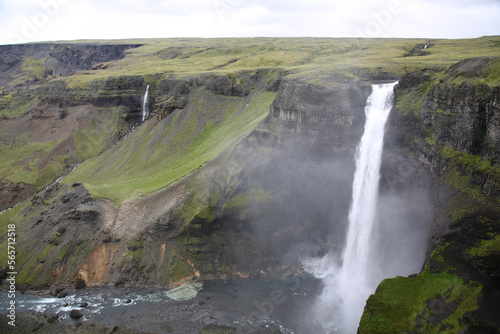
pixel 246 305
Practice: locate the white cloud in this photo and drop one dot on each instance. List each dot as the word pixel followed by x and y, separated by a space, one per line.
pixel 38 20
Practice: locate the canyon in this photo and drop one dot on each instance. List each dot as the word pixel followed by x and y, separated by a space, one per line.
pixel 244 167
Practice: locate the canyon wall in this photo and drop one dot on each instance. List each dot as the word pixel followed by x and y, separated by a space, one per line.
pixel 243 173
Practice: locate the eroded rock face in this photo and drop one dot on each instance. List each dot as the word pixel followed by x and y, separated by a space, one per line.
pixel 224 85
pixel 11 194
pixel 464 117
pixel 449 125
pixel 76 57
pixel 173 94
pixel 62 59
pixel 330 116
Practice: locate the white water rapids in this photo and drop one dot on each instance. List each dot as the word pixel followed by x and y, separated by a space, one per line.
pixel 348 286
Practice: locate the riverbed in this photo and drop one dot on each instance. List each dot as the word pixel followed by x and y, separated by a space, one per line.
pixel 235 306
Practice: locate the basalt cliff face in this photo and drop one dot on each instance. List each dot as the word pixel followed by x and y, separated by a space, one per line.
pixel 243 171
pixel 452 131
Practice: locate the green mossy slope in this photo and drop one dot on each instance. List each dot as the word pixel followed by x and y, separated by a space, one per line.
pixel 426 303
pixel 159 153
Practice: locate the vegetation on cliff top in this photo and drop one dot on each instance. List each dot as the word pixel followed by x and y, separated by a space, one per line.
pixel 159 153
pixel 403 304
pixel 314 58
pixel 317 60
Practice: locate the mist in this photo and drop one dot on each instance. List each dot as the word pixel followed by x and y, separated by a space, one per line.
pixel 387 233
pixel 304 227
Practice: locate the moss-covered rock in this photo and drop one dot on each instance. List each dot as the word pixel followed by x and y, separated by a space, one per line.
pixel 425 303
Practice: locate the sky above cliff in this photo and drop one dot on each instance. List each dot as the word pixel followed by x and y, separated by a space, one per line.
pixel 46 20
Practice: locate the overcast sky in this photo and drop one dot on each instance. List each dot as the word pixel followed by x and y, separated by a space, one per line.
pixel 47 20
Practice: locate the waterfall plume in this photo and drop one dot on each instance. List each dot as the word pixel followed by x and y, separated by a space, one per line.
pixel 348 285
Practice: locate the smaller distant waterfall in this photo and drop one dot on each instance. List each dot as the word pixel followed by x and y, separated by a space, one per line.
pixel 145 105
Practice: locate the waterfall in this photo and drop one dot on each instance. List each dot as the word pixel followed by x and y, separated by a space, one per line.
pixel 145 104
pixel 354 285
pixel 347 286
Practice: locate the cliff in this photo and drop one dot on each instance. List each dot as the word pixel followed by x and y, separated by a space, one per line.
pixel 245 166
pixel 448 121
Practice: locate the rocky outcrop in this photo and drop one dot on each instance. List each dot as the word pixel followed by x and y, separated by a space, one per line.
pixel 11 194
pixel 327 116
pixel 10 56
pixel 223 85
pixel 75 57
pixel 173 94
pixel 464 117
pixel 57 59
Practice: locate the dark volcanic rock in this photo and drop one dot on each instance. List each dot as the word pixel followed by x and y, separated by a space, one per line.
pixel 223 85
pixel 75 314
pixel 62 59
pixel 80 284
pixel 11 194
pixel 75 57
pixel 172 94
pixel 329 116
pixel 464 117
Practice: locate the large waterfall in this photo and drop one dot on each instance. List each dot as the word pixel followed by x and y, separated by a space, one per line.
pixel 145 104
pixel 354 286
pixel 347 286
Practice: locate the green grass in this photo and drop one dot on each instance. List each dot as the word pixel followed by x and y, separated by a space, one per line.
pixel 462 167
pixel 96 137
pixel 64 251
pixel 317 59
pixel 245 200
pixel 81 253
pixel 492 73
pixel 20 161
pixel 179 268
pixel 201 203
pixel 400 303
pixel 34 272
pixel 486 247
pixel 13 106
pixel 15 217
pixel 218 329
pixel 30 67
pixel 154 157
